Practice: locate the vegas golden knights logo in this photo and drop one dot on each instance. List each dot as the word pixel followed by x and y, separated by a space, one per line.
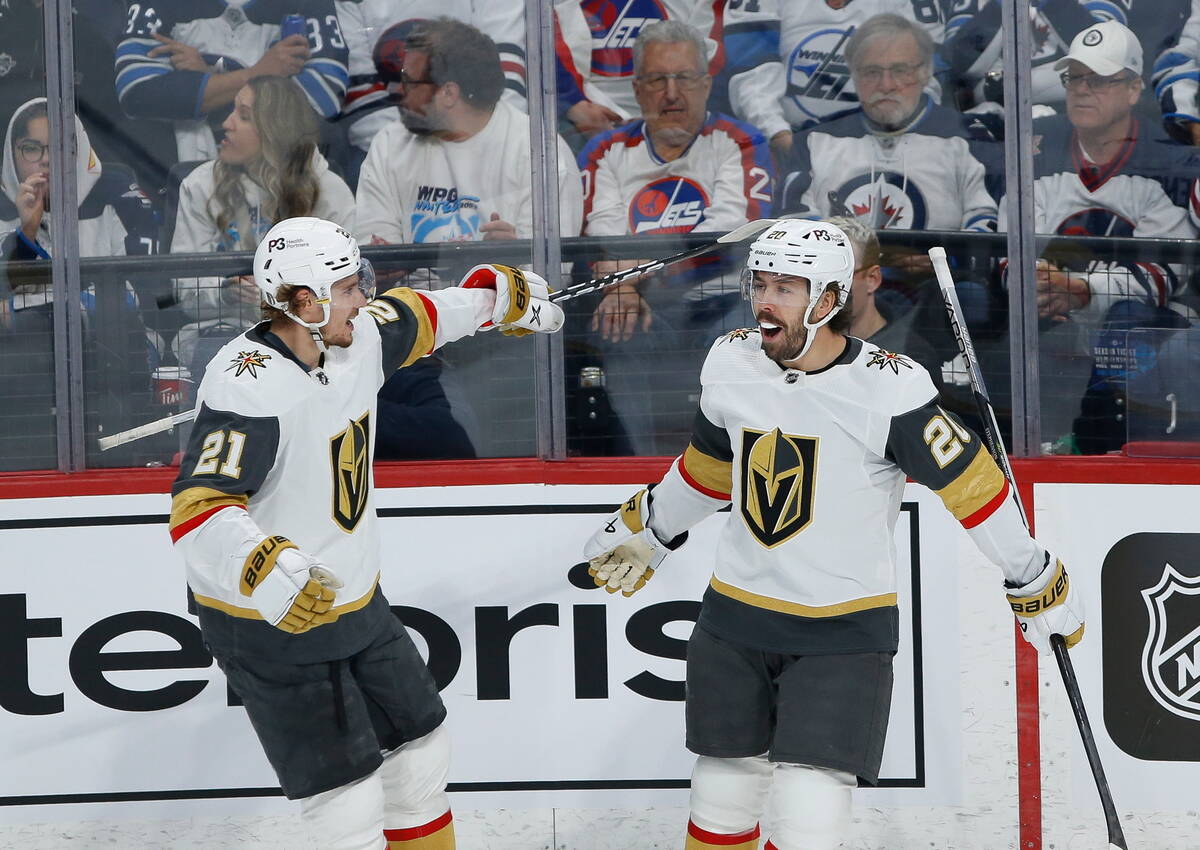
pixel 779 472
pixel 350 457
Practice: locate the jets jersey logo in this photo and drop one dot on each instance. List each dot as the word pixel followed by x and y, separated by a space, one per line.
pixel 885 360
pixel 1095 221
pixel 669 205
pixel 1171 656
pixel 615 25
pixel 779 474
pixel 818 77
pixel 350 458
pixel 248 361
pixel 885 199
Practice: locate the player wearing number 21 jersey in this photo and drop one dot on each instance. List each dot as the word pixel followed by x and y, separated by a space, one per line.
pixel 807 434
pixel 274 517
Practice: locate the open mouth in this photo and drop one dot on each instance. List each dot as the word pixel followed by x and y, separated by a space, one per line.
pixel 769 330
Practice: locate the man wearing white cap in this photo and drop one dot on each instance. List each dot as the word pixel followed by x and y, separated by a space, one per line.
pixel 1103 170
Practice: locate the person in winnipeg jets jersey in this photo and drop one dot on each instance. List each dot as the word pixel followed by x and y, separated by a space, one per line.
pixel 594 53
pixel 274 517
pixel 455 168
pixel 787 66
pixel 1104 170
pixel 808 434
pixel 186 60
pixel 679 169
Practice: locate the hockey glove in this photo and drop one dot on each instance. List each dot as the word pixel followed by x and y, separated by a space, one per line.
pixel 1046 606
pixel 625 552
pixel 291 590
pixel 522 299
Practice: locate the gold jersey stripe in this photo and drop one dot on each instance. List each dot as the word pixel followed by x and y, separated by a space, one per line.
pixel 974 487
pixel 423 343
pixel 193 501
pixel 837 609
pixel 252 614
pixel 707 471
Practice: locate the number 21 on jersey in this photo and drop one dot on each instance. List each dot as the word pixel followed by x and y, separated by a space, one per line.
pixel 218 444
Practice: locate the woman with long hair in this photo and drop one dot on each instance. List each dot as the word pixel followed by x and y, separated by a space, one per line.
pixel 268 168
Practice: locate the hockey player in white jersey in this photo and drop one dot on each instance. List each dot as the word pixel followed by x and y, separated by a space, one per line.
pixel 274 517
pixel 808 434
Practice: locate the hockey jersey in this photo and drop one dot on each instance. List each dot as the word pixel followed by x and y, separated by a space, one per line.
pixel 281 449
pixel 367 107
pixel 422 189
pixel 231 34
pixel 786 62
pixel 814 467
pixel 1176 73
pixel 928 175
pixel 594 45
pixel 1141 191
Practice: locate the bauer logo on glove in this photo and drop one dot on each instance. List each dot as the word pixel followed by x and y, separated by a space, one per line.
pixel 523 303
pixel 1045 606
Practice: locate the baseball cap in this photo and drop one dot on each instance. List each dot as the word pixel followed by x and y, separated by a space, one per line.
pixel 1107 48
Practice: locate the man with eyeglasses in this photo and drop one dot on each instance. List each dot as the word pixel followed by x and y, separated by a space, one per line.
pixel 899 161
pixel 456 166
pixel 678 169
pixel 1104 170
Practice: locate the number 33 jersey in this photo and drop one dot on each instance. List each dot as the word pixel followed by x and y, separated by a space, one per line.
pixel 814 465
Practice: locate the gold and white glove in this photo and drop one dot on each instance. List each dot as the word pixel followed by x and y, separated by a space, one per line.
pixel 625 552
pixel 291 590
pixel 523 303
pixel 1045 606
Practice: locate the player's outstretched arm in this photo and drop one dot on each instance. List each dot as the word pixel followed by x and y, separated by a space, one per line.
pixel 522 303
pixel 936 449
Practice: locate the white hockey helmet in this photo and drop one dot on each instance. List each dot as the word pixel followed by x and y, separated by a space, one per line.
pixel 817 251
pixel 310 252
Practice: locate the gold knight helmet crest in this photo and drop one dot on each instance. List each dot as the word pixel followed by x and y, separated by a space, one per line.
pixel 778 480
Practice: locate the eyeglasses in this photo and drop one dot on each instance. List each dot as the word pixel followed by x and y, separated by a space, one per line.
pixel 902 72
pixel 686 80
pixel 32 151
pixel 400 78
pixel 1093 82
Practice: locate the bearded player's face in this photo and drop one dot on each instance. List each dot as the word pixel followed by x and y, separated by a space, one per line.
pixel 779 302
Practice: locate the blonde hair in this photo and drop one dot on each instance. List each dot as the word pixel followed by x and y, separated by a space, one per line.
pixel 288 133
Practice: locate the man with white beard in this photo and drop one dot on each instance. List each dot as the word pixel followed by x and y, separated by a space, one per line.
pixel 900 160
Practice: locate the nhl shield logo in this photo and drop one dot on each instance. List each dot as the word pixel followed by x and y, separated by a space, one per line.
pixel 778 476
pixel 350 457
pixel 1171 657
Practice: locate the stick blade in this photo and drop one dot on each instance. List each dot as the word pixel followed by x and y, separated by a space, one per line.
pixel 745 231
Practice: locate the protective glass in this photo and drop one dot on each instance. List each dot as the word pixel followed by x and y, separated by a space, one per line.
pixel 686 80
pixel 1093 82
pixel 781 290
pixel 902 72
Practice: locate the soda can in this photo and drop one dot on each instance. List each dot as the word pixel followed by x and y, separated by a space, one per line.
pixel 171 385
pixel 292 25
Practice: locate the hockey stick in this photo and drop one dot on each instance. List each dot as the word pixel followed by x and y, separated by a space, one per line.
pixel 738 234
pixel 150 428
pixel 991 432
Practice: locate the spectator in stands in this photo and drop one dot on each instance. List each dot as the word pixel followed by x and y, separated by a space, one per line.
pixel 268 169
pixel 974 40
pixel 185 62
pixel 1104 170
pixel 456 166
pixel 789 62
pixel 115 219
pixel 874 321
pixel 1176 74
pixel 416 419
pixel 368 107
pixel 677 169
pixel 115 138
pixel 899 161
pixel 594 53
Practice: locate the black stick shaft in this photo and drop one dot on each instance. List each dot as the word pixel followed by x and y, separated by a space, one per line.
pixel 987 414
